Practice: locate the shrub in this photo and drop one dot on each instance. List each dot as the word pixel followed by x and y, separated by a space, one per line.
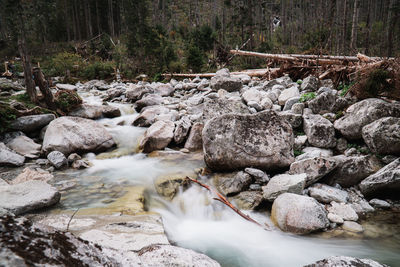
pixel 99 70
pixel 7 115
pixel 307 96
pixel 67 100
pixel 195 58
pixel 62 63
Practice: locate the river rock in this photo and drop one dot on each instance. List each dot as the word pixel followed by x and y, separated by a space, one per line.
pixel 57 159
pixel 194 141
pixel 351 170
pixel 168 186
pixel 158 136
pixel 298 214
pixel 224 81
pixel 111 111
pixel 344 261
pixel 248 200
pixel 315 168
pixel 259 176
pixel 263 140
pixel 136 92
pixel 9 157
pixel 114 93
pixel 64 86
pixel 379 203
pixel 326 194
pixel 288 94
pixel 335 218
pixel 29 174
pixel 220 106
pixel 87 111
pixel 32 123
pixel 343 210
pixel 295 120
pixel 310 84
pixel 148 100
pixel 182 128
pixel 383 136
pixel 235 184
pixel 386 182
pixel 319 131
pixel 323 103
pixel 352 227
pixel 28 196
pixel 148 116
pixel 284 183
pixel 25 146
pixel 164 89
pixel 314 152
pixel 362 113
pixel 74 134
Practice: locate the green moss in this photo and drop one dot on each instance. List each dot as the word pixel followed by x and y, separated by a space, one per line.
pixel 297 152
pixel 307 96
pixel 67 100
pixel 7 115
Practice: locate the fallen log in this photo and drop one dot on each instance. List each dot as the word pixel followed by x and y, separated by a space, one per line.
pixel 250 72
pixel 225 201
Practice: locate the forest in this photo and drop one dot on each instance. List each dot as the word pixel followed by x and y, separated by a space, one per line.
pixel 91 38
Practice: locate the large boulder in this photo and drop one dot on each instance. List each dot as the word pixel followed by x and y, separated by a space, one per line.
pixel 158 136
pixel 149 115
pixel 74 134
pixel 386 182
pixel 32 123
pixel 136 92
pixel 9 157
pixel 194 140
pixel 319 131
pixel 323 103
pixel 163 89
pixel 310 84
pixel 288 94
pixel 87 111
pixel 343 210
pixel 182 128
pixel 149 100
pixel 326 194
pixel 25 146
pixel 383 136
pixel 362 113
pixel 220 106
pixel 29 174
pixel 298 214
pixel 263 140
pixel 344 261
pixel 57 159
pixel 315 168
pixel 232 185
pixel 28 196
pixel 284 183
pixel 223 80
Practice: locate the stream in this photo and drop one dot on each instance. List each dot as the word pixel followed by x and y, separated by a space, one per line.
pixel 194 220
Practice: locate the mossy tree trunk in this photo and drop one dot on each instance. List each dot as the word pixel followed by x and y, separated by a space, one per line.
pixel 29 83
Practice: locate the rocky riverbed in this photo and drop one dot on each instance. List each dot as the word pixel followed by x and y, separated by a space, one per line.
pixel 324 166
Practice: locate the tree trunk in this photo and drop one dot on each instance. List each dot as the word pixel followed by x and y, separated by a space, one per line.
pixel 354 26
pixel 389 33
pixel 344 33
pixel 44 88
pixel 29 84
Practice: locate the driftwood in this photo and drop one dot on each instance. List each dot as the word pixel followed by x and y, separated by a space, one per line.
pixel 250 72
pixel 225 201
pixel 43 85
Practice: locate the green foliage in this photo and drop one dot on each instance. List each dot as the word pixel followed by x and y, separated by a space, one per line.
pixel 299 133
pixel 344 88
pixel 195 58
pixel 359 148
pixel 307 96
pixel 299 82
pixel 297 152
pixel 61 63
pixel 67 100
pixel 7 115
pixel 339 114
pixel 203 37
pixel 98 70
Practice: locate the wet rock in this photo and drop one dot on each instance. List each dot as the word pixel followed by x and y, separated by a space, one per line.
pixel 62 86
pixel 158 136
pixel 323 103
pixel 80 164
pixel 344 261
pixel 57 159
pixel 226 82
pixel 284 183
pixel 74 134
pixel 263 140
pixel 288 94
pixel 345 211
pixel 319 131
pixel 87 111
pixel 352 227
pixel 326 194
pixel 386 182
pixel 32 123
pixel 362 113
pixel 249 200
pixel 182 128
pixel 358 202
pixel 335 218
pixel 25 146
pixel 310 84
pixel 220 106
pixel 169 186
pixel 9 157
pixel 28 196
pixel 259 176
pixel 351 170
pixel 235 184
pixel 114 93
pixel 111 112
pixel 164 89
pixel 148 100
pixel 72 157
pixel 148 116
pixel 8 85
pixel 314 152
pixel 315 168
pixel 379 203
pixel 136 92
pixel 298 214
pixel 29 174
pixel 383 136
pixel 194 141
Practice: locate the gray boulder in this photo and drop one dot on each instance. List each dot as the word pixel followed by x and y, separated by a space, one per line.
pixel 284 183
pixel 386 182
pixel 25 146
pixel 298 214
pixel 87 111
pixel 263 140
pixel 345 211
pixel 57 159
pixel 28 196
pixel 226 82
pixel 158 136
pixel 235 184
pixel 164 89
pixel 9 157
pixel 323 103
pixel 74 134
pixel 194 141
pixel 326 194
pixel 310 84
pixel 315 168
pixel 383 136
pixel 136 92
pixel 288 94
pixel 259 176
pixel 295 120
pixel 344 261
pixel 32 123
pixel 182 128
pixel 313 152
pixel 111 111
pixel 248 200
pixel 148 115
pixel 320 131
pixel 362 113
pixel 220 106
pixel 148 100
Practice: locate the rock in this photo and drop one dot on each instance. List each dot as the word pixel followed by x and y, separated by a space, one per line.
pixel 220 106
pixel 235 184
pixel 194 141
pixel 136 92
pixel 379 203
pixel 358 202
pixel 61 86
pixel 386 182
pixel 230 84
pixel 362 113
pixel 80 164
pixel 263 140
pixel 111 112
pixel 252 95
pixel 295 120
pixel 28 196
pixel 9 157
pixel 148 100
pixel 298 214
pixel 248 200
pixel 343 210
pixel 310 84
pixel 74 134
pixel 352 227
pixel 266 103
pixel 57 159
pixel 73 157
pixel 341 145
pixel 335 218
pixel 315 168
pixel 351 170
pixel 158 136
pixel 25 146
pixel 259 176
pixel 288 94
pixel 383 136
pixel 8 85
pixel 299 142
pixel 290 102
pixel 323 103
pixel 29 174
pixel 182 128
pixel 164 89
pixel 32 123
pixel 314 152
pixel 169 186
pixel 87 111
pixel 284 183
pixel 148 116
pixel 319 131
pixel 298 108
pixel 344 261
pixel 114 93
pixel 326 194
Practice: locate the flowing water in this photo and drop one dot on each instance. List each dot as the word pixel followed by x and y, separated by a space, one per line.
pixel 193 220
